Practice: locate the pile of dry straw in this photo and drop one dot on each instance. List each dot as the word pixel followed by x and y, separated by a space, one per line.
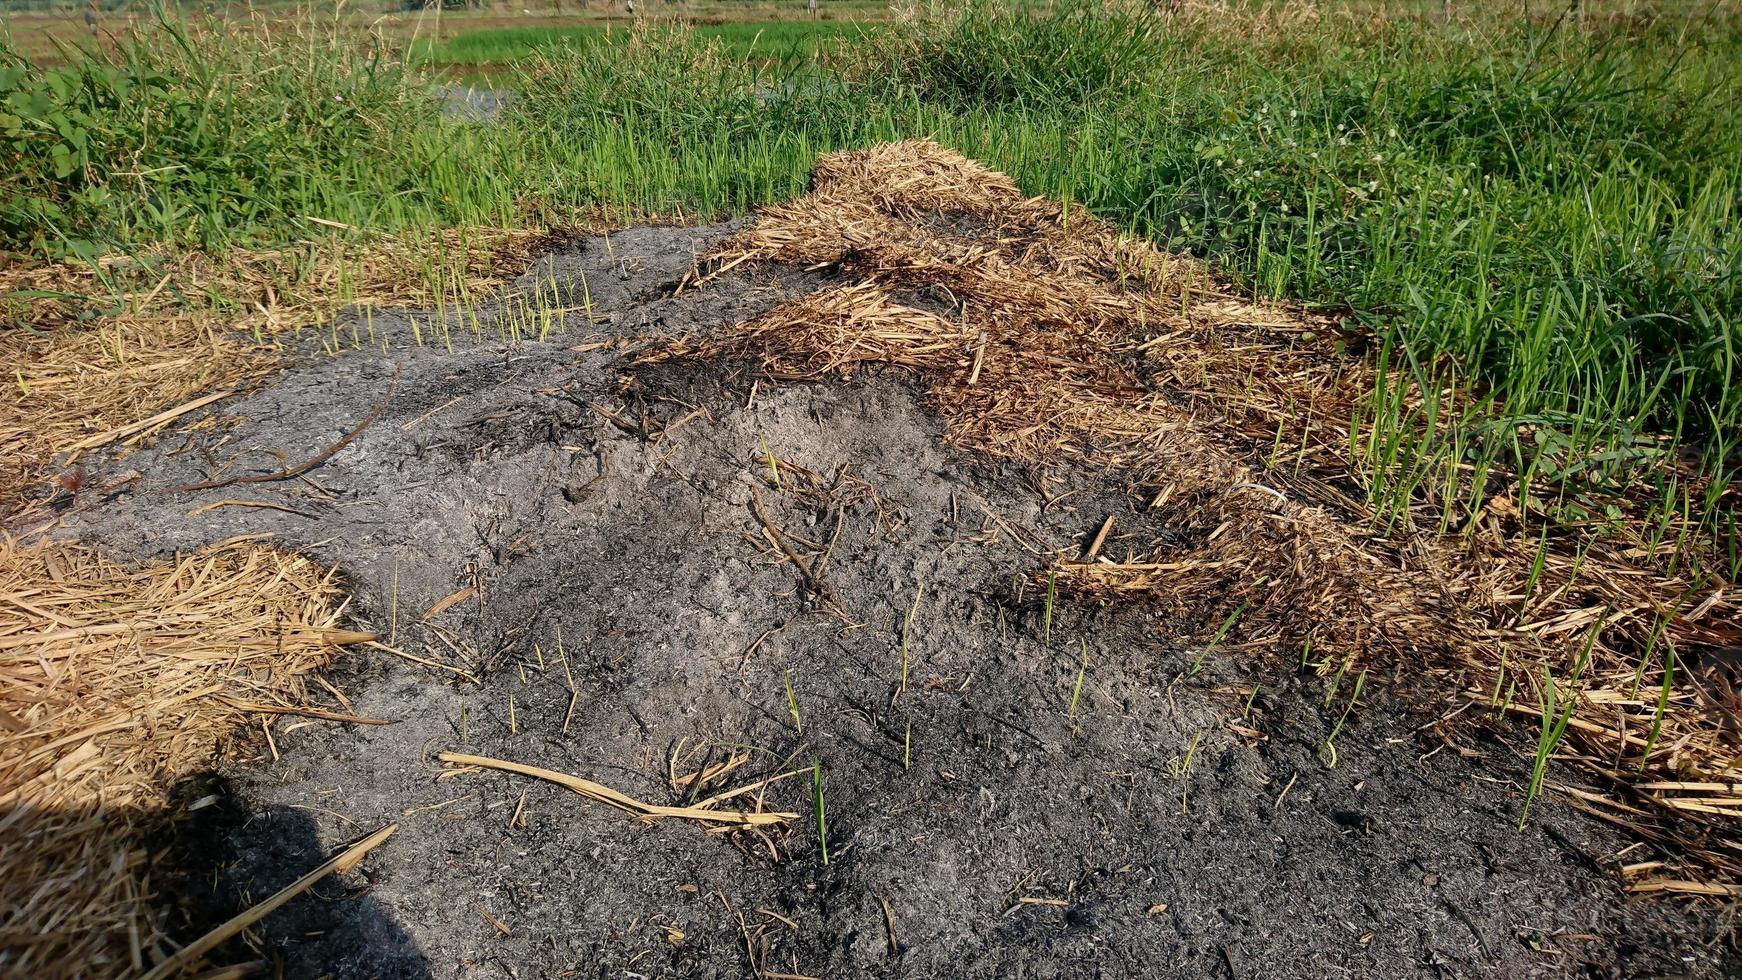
pixel 114 683
pixel 1047 338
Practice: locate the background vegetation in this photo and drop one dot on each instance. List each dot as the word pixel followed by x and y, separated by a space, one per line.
pixel 1538 215
pixel 504 45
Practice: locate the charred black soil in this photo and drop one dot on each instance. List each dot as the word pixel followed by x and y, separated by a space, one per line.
pixel 1009 787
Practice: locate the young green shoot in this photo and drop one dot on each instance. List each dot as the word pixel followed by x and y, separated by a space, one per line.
pixel 1221 634
pixel 1337 679
pixel 1077 689
pixel 773 467
pixel 792 703
pixel 1499 678
pixel 1328 751
pixel 817 806
pixel 1183 767
pixel 906 630
pixel 1662 704
pixel 1046 616
pixel 1556 714
pixel 1663 622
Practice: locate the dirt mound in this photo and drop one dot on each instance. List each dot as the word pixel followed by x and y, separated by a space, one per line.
pixel 835 515
pixel 1043 339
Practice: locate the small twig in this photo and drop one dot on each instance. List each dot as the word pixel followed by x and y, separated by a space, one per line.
pixel 501 927
pixel 780 541
pixel 1284 794
pixel 569 715
pixel 413 658
pixel 160 418
pixel 828 549
pixel 439 408
pixel 751 650
pixel 448 602
pixel 1100 539
pixel 324 715
pixel 619 421
pixel 1259 486
pixel 889 924
pixel 303 467
pixel 264 504
pixel 979 357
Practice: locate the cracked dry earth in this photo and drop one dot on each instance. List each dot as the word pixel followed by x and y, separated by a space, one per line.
pixel 632 621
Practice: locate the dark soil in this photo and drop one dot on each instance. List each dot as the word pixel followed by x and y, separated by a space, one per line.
pixel 1174 824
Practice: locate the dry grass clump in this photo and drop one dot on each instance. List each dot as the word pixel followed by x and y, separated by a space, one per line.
pixel 114 683
pixel 76 388
pixel 94 350
pixel 1047 337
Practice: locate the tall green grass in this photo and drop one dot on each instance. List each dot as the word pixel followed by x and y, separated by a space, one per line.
pixel 1540 219
pixel 506 45
pixel 215 138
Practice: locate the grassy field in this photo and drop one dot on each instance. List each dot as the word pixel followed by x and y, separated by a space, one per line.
pixel 506 45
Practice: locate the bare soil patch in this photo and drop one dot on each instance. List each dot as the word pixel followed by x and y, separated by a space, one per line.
pixel 684 546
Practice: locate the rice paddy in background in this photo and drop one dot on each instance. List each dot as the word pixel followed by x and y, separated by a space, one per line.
pixel 46 32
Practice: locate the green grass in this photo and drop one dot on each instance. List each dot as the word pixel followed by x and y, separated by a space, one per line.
pixel 505 45
pixel 500 45
pixel 1541 220
pixel 783 37
pixel 1556 713
pixel 768 455
pixel 1077 688
pixel 792 703
pixel 818 809
pixel 1328 749
pixel 906 631
pixel 1216 640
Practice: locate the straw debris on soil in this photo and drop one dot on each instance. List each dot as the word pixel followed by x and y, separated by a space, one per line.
pixel 114 683
pixel 1045 337
pixel 94 350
